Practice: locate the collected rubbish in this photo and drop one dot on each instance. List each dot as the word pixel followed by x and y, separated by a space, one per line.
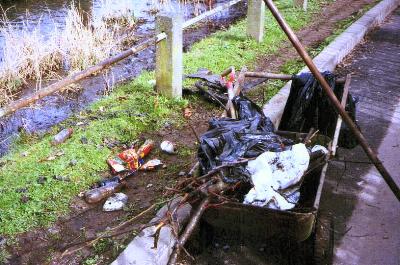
pixel 115 202
pixel 151 164
pixel 100 193
pixel 307 107
pixel 229 140
pixel 130 160
pixel 272 172
pixel 62 136
pixel 167 147
pixel 125 164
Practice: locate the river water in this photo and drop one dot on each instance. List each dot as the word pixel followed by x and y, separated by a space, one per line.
pixel 48 15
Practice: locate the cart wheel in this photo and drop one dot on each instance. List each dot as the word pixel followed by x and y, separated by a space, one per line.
pixel 323 241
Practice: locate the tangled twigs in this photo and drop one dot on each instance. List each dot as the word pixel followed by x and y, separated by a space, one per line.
pixel 109 233
pixel 218 168
pixel 189 230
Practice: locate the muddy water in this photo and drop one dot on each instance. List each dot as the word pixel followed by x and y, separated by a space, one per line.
pixel 54 109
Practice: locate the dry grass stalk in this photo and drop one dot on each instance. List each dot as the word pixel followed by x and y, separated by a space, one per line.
pixel 29 56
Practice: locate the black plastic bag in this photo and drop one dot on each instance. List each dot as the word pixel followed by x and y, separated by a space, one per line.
pixel 229 140
pixel 308 106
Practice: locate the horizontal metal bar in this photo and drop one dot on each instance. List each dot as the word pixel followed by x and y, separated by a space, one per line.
pixel 269 75
pixel 194 20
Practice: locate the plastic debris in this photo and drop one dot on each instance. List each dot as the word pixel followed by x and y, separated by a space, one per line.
pixel 229 140
pixel 130 159
pixel 308 107
pixel 115 202
pixel 62 178
pixel 98 194
pixel 151 164
pixel 62 136
pixel 321 148
pixel 272 172
pixel 167 147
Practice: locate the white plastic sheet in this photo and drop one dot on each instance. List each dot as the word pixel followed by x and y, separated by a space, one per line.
pixel 274 171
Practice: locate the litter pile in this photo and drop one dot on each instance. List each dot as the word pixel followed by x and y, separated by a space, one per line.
pixel 125 164
pixel 241 156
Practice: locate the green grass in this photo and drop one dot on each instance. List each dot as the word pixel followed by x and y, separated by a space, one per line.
pixel 233 48
pixel 129 111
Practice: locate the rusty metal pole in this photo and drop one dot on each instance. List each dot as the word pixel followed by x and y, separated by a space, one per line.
pixel 346 118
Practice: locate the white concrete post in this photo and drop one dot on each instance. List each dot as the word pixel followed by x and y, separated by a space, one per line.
pixel 301 3
pixel 255 19
pixel 169 58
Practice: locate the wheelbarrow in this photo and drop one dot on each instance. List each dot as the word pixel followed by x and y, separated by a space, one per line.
pixel 304 224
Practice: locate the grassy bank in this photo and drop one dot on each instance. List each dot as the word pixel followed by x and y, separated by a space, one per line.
pixel 130 110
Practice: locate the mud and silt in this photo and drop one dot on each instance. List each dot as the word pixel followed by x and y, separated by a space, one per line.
pixel 56 108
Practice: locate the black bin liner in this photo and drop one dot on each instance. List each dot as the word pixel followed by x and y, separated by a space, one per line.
pixel 228 140
pixel 308 106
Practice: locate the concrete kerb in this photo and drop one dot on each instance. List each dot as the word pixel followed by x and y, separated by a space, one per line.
pixel 334 53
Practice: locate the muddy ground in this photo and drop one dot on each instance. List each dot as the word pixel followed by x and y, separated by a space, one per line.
pixel 46 246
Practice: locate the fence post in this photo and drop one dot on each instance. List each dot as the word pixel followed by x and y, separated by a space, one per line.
pixel 255 19
pixel 169 58
pixel 301 3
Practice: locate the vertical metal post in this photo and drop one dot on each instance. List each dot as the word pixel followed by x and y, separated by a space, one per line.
pixel 169 57
pixel 335 102
pixel 255 19
pixel 301 3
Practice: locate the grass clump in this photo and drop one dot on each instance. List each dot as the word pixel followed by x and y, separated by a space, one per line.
pixel 130 110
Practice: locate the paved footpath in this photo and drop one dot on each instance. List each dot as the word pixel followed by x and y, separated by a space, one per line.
pixel 366 213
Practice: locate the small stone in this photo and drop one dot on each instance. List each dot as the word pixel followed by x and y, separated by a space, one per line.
pixel 73 162
pixel 226 248
pixel 149 186
pixel 53 230
pixel 25 154
pixel 216 245
pixel 84 140
pixel 385 237
pixel 3 241
pixel 41 180
pixel 152 82
pixel 24 198
pixel 115 202
pixel 261 249
pixel 62 178
pixel 182 174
